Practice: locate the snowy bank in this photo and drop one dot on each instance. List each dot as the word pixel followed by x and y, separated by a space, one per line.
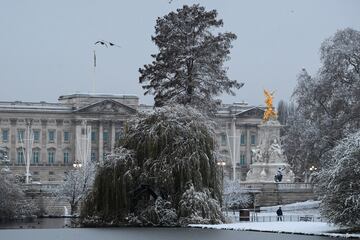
pixel 293 206
pixel 308 228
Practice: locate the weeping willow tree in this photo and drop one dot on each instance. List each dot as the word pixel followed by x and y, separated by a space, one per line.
pixel 163 163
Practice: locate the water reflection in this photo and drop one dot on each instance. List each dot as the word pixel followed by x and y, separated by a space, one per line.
pixel 39 223
pixel 45 229
pixel 146 233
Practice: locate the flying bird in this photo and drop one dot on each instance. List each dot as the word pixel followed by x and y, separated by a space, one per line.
pixel 101 42
pixel 106 43
pixel 113 45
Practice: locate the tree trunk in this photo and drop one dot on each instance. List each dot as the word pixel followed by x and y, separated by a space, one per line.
pixel 73 209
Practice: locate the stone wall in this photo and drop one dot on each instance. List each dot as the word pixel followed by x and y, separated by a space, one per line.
pixel 46 201
pixel 270 194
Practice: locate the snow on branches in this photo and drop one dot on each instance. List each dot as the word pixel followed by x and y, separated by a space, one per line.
pixel 159 155
pixel 339 183
pixel 13 202
pixel 327 103
pixel 188 69
pixel 78 183
pixel 234 197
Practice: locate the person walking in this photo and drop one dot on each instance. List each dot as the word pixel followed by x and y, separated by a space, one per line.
pixel 279 214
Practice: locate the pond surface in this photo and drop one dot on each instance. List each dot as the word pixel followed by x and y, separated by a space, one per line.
pixel 145 233
pixel 37 223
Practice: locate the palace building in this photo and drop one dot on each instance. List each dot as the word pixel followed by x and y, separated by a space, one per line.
pixel 55 136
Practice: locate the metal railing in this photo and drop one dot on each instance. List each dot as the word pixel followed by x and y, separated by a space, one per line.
pixel 282 186
pixel 285 218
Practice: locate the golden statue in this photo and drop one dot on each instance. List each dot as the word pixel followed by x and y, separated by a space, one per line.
pixel 269 113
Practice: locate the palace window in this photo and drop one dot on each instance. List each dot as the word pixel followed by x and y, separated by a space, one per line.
pixel 21 135
pixel 66 157
pixel 223 139
pixel 243 139
pixel 5 135
pixel 35 156
pixel 20 156
pixel 242 159
pixel 66 136
pixel 36 136
pixel 106 136
pixel 93 136
pixel 51 156
pixel 51 135
pixel 253 139
pixel 117 135
pixel 93 156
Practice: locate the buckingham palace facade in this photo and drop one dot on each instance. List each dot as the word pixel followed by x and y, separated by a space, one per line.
pixel 55 132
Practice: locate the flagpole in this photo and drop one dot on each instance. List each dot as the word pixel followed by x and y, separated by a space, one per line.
pixel 94 77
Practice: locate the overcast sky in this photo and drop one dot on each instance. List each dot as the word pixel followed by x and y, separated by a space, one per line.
pixel 46 47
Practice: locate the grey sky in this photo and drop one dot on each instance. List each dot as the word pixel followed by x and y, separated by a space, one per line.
pixel 47 46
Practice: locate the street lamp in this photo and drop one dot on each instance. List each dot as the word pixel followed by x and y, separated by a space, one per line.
pixel 77 165
pixel 222 164
pixel 312 169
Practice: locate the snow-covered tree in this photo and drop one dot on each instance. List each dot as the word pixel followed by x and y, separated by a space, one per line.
pixel 299 135
pixel 284 111
pixel 339 183
pixel 13 202
pixel 327 103
pixel 234 197
pixel 189 67
pixel 109 200
pixel 78 182
pixel 160 154
pixel 199 207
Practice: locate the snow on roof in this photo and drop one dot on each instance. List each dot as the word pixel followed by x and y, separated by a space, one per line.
pixel 97 95
pixel 33 106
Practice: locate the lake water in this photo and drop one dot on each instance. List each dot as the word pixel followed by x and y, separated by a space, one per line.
pixel 48 229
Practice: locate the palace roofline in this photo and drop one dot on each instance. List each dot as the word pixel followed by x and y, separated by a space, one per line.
pixel 68 104
pixel 98 95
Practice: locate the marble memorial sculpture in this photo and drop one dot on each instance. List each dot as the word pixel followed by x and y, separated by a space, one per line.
pixel 267 157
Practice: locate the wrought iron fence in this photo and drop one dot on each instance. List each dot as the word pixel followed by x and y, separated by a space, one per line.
pixel 266 218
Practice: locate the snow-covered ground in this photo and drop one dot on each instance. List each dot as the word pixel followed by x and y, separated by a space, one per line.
pixel 311 204
pixel 267 221
pixel 291 212
pixel 313 228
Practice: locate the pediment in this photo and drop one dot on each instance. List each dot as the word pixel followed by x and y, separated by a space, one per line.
pixel 255 112
pixel 107 107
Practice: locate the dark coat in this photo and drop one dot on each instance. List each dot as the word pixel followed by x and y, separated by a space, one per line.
pixel 279 212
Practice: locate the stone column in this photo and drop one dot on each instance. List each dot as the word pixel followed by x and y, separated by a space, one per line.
pixel 233 126
pixel 248 146
pixel 112 136
pixel 12 140
pixel 78 142
pixel 101 142
pixel 43 141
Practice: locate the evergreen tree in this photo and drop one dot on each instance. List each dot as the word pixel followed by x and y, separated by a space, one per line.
pixel 188 69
